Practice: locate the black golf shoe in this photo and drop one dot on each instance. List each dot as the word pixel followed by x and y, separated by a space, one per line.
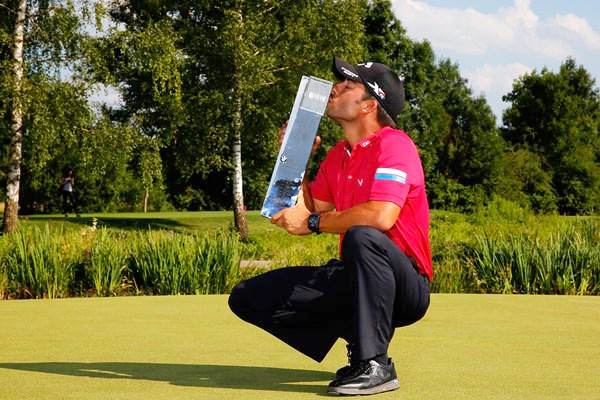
pixel 351 363
pixel 365 377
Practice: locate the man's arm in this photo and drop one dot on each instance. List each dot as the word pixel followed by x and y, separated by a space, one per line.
pixel 312 204
pixel 381 215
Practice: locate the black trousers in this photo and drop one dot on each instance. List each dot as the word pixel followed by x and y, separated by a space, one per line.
pixel 361 299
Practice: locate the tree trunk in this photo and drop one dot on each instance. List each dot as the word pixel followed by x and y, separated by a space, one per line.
pixel 239 212
pixel 146 197
pixel 13 181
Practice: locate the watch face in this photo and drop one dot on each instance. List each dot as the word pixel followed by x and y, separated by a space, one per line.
pixel 313 222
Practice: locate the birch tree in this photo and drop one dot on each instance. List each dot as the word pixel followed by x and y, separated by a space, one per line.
pixel 11 207
pixel 240 64
pixel 242 53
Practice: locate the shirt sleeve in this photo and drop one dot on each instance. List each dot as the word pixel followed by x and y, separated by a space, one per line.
pixel 397 170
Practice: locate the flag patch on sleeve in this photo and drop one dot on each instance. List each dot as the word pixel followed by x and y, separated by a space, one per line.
pixel 390 174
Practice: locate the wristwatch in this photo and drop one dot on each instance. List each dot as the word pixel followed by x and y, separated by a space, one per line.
pixel 313 222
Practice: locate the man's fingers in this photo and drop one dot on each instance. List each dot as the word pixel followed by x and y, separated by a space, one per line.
pixel 282 132
pixel 275 218
pixel 316 144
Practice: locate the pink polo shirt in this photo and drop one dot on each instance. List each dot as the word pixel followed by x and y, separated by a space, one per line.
pixel 384 167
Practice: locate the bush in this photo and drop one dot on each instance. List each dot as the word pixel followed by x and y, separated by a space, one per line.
pixel 498 249
pixel 449 194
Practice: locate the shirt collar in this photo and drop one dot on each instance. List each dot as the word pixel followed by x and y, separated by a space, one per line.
pixel 366 141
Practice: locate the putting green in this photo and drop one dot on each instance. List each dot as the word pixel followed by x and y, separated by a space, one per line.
pixel 193 347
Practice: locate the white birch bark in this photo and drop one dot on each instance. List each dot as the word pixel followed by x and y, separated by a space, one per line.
pixel 11 207
pixel 239 212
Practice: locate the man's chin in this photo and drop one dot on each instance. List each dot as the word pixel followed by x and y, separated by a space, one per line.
pixel 330 114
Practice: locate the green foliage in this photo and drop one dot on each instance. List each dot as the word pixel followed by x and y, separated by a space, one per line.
pixel 53 36
pixel 525 180
pixel 224 57
pixel 61 129
pixel 5 281
pixel 503 248
pixel 555 116
pixel 446 193
pixel 500 248
pixel 455 131
pixel 193 75
pixel 500 209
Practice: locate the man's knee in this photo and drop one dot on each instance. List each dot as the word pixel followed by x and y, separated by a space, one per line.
pixel 357 237
pixel 238 302
pixel 360 233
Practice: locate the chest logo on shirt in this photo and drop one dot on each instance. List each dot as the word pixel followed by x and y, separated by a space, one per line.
pixel 360 182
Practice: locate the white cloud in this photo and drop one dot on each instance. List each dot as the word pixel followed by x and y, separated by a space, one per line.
pixel 520 16
pixel 579 28
pixel 515 29
pixel 495 78
pixel 466 31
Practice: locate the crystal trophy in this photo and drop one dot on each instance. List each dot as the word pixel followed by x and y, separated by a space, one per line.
pixel 303 124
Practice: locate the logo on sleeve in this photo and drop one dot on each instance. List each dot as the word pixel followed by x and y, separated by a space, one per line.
pixel 390 174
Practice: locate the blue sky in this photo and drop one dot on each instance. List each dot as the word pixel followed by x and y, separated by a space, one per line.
pixel 496 41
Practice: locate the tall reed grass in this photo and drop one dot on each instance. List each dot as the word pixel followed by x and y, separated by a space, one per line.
pixel 500 249
pixel 107 263
pixel 565 262
pixel 44 263
pixel 170 263
pixel 37 264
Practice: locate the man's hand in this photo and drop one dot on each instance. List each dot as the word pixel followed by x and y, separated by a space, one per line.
pixel 294 219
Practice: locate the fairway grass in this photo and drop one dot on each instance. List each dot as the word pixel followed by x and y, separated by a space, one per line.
pixel 193 347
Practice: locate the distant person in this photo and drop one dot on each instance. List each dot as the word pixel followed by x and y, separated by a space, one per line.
pixel 67 185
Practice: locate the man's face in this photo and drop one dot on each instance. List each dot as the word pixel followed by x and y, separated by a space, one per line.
pixel 345 102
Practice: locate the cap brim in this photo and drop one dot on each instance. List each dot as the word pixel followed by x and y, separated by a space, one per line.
pixel 344 70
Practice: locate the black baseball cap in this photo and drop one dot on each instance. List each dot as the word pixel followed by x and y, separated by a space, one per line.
pixel 379 80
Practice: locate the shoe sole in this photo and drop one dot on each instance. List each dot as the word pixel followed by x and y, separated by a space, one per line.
pixel 384 387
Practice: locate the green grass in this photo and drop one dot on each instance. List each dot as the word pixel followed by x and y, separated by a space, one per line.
pixel 193 347
pixel 171 220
